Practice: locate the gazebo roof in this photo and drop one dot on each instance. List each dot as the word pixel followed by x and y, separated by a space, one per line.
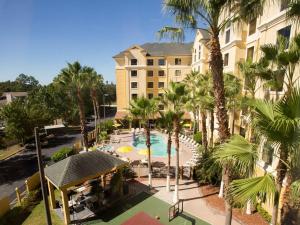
pixel 80 167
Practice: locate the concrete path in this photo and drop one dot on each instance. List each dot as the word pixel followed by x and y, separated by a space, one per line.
pixel 194 203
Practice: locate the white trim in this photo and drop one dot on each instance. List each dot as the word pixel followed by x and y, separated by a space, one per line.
pixel 278 18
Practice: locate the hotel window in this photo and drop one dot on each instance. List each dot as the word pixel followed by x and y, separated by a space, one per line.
pixel 133 73
pixel 149 73
pixel 285 33
pixel 150 95
pixel 284 4
pixel 161 84
pixel 195 55
pixel 250 54
pixel 149 62
pixel 133 62
pixel 134 96
pixel 226 59
pixel 199 52
pixel 177 72
pixel 177 61
pixel 161 62
pixel 134 84
pixel 161 107
pixel 150 85
pixel 252 26
pixel 161 73
pixel 227 36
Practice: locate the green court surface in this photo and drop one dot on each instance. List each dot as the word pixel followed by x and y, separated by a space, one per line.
pixel 143 203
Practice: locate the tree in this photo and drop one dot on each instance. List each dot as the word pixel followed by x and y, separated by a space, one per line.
pixel 145 109
pixel 175 98
pixel 166 122
pixel 216 15
pixel 73 78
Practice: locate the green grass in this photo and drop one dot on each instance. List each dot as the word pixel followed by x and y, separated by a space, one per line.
pixel 9 151
pixel 38 217
pixel 149 204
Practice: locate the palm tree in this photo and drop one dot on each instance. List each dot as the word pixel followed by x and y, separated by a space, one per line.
pixel 73 78
pixel 188 14
pixel 95 82
pixel 166 122
pixel 175 98
pixel 145 109
pixel 294 10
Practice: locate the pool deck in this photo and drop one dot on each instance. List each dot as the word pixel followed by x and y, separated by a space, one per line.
pixel 126 139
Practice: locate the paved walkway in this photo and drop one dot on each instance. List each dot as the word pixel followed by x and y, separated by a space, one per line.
pixel 194 203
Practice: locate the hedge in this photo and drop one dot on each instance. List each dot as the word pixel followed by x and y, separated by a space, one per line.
pixel 61 154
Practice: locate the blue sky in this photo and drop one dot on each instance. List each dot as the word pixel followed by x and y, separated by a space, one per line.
pixel 38 37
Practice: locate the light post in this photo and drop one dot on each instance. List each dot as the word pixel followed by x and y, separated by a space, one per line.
pixel 104 95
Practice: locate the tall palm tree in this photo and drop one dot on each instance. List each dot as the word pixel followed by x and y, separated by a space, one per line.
pixel 73 78
pixel 166 122
pixel 95 83
pixel 145 109
pixel 175 98
pixel 188 14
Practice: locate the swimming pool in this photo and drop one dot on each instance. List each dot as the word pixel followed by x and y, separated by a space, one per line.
pixel 158 145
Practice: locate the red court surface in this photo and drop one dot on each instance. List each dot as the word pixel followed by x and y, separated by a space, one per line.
pixel 142 218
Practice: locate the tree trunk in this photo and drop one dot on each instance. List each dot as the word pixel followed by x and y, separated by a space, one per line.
pixel 195 122
pixel 204 130
pixel 280 175
pixel 169 160
pixel 286 202
pixel 148 144
pixel 176 130
pixel 95 120
pixel 228 200
pixel 82 120
pixel 98 114
pixel 212 127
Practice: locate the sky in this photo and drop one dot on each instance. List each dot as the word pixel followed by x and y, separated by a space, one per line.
pixel 38 37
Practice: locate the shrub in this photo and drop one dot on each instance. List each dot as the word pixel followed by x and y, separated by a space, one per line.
pixel 107 125
pixel 103 136
pixel 61 154
pixel 32 199
pixel 198 137
pixel 263 213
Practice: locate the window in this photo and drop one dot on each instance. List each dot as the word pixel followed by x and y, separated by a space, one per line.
pixel 198 68
pixel 226 59
pixel 252 26
pixel 177 72
pixel 177 61
pixel 195 55
pixel 161 73
pixel 161 107
pixel 199 52
pixel 250 53
pixel 133 62
pixel 279 79
pixel 284 4
pixel 161 62
pixel 134 84
pixel 161 84
pixel 149 62
pixel 150 95
pixel 150 85
pixel 267 153
pixel 133 73
pixel 149 73
pixel 227 36
pixel 285 33
pixel 134 96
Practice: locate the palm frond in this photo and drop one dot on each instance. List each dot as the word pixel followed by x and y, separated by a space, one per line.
pixel 295 190
pixel 173 33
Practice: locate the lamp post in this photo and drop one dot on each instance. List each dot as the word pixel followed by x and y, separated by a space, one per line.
pixel 104 95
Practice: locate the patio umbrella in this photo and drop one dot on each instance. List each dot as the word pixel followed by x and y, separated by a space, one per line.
pixel 144 152
pixel 188 125
pixel 116 125
pixel 125 149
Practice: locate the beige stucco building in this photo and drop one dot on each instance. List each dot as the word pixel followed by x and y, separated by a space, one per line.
pixel 145 70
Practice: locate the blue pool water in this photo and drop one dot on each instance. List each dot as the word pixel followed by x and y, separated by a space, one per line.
pixel 158 145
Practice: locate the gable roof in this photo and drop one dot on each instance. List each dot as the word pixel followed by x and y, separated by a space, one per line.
pixel 75 168
pixel 163 49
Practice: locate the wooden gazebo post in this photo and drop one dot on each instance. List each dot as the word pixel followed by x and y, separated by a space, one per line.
pixel 65 202
pixel 51 194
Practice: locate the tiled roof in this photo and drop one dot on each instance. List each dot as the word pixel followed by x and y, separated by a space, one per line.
pixel 77 167
pixel 164 49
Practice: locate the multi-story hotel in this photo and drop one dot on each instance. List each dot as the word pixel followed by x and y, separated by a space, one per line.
pixel 145 70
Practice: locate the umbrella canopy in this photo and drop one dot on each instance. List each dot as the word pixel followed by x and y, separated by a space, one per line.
pixel 188 125
pixel 125 149
pixel 117 125
pixel 144 152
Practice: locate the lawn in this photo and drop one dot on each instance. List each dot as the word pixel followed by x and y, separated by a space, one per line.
pixel 125 210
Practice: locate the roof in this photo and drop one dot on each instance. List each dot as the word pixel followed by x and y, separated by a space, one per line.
pixel 163 49
pixel 204 33
pixel 74 169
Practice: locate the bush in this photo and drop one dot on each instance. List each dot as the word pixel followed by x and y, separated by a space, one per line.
pixel 198 137
pixel 32 199
pixel 107 126
pixel 264 214
pixel 103 136
pixel 63 153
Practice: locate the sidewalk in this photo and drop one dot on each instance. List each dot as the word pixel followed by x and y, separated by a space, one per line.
pixel 193 200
